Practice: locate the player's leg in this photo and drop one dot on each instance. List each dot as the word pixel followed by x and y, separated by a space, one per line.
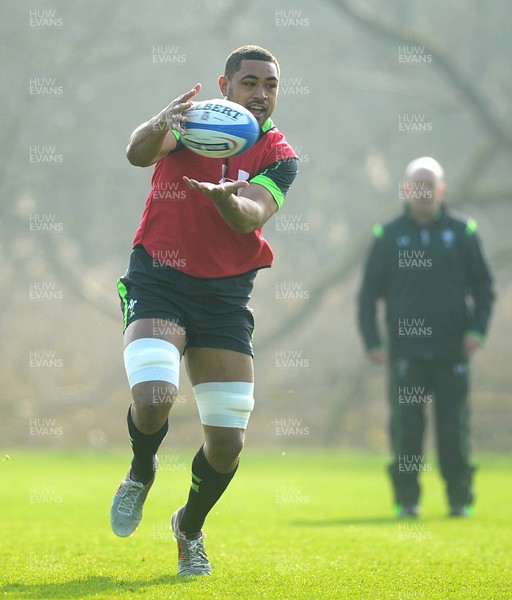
pixel 451 383
pixel 406 380
pixel 219 361
pixel 153 348
pixel 223 386
pixel 222 380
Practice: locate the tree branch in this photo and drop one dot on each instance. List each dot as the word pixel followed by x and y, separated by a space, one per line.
pixel 480 105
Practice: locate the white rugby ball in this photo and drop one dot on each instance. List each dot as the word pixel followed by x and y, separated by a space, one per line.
pixel 219 129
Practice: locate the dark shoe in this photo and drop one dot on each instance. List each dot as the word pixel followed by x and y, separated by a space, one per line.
pixel 407 511
pixel 459 510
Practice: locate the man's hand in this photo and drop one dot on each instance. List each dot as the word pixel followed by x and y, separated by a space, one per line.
pixel 471 344
pixel 378 356
pixel 218 192
pixel 153 140
pixel 244 213
pixel 172 117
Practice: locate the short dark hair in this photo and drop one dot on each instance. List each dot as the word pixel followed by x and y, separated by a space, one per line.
pixel 234 60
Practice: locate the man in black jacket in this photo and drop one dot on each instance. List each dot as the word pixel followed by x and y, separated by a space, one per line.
pixel 428 267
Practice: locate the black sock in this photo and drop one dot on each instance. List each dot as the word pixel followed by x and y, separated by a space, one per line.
pixel 144 447
pixel 207 487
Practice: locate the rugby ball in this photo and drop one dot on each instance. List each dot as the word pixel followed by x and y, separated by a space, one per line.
pixel 219 129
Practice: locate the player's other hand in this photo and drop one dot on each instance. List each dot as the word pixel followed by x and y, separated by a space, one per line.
pixel 471 345
pixel 172 116
pixel 216 191
pixel 377 356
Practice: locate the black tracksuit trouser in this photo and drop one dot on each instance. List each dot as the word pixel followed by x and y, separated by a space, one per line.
pixel 414 385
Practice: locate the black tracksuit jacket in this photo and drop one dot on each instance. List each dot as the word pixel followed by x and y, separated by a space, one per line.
pixel 436 284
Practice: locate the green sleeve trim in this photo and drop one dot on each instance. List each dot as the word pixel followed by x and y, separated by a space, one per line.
pixel 471 227
pixel 476 334
pixel 378 231
pixel 268 184
pixel 267 125
pixel 123 292
pixel 176 134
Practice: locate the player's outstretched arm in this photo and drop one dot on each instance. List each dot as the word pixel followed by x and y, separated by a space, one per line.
pixel 244 213
pixel 154 139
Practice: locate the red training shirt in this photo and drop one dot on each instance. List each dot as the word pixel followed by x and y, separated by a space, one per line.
pixel 183 228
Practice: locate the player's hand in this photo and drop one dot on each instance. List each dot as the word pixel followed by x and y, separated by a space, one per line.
pixel 172 117
pixel 216 191
pixel 377 356
pixel 471 345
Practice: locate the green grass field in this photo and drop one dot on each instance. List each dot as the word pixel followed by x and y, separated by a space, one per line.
pixel 293 524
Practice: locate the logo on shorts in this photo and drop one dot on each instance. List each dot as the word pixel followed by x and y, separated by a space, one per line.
pixel 131 308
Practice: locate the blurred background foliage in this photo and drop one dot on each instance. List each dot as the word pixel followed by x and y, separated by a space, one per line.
pixel 79 77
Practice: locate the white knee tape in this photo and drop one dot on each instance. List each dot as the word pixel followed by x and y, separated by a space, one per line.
pixel 152 359
pixel 225 403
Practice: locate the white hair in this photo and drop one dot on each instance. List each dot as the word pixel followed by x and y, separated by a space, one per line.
pixel 425 163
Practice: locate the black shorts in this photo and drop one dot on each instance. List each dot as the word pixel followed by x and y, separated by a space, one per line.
pixel 213 312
